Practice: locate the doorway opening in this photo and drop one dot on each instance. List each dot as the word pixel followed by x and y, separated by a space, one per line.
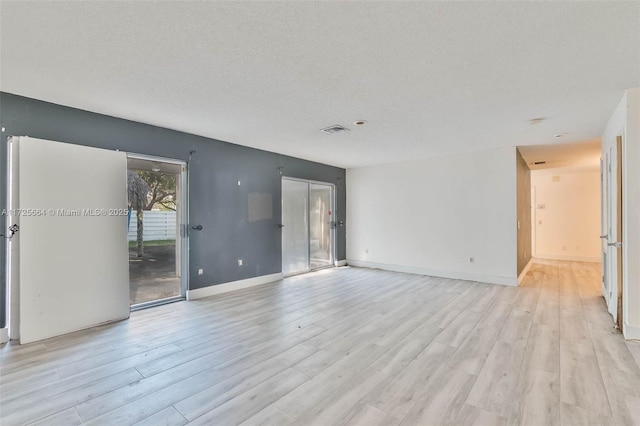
pixel 308 225
pixel 156 189
pixel 612 231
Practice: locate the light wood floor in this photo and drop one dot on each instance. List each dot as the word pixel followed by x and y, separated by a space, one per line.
pixel 342 346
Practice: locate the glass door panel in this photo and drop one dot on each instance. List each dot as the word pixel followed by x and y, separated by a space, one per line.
pixel 156 211
pixel 320 225
pixel 295 233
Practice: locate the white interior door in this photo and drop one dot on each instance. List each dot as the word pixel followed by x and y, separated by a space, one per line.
pixel 604 217
pixel 70 202
pixel 611 276
pixel 534 224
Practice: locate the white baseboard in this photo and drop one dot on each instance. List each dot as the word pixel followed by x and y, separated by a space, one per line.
pixel 342 262
pixel 4 335
pixel 571 258
pixel 630 332
pixel 211 290
pixel 524 271
pixel 490 279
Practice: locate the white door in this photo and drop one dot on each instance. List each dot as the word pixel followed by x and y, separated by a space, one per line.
pixel 612 248
pixel 534 224
pixel 604 228
pixel 70 203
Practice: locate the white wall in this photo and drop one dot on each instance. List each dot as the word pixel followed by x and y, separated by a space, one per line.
pixel 430 216
pixel 567 214
pixel 625 121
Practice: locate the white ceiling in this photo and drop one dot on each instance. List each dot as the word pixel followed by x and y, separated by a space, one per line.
pixel 430 77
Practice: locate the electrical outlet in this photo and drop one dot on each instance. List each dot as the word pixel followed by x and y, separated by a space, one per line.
pixel 239 183
pixel 239 262
pixel 200 271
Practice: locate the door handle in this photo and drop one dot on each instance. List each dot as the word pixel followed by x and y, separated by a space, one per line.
pixel 280 225
pixel 604 236
pixel 616 244
pixel 197 227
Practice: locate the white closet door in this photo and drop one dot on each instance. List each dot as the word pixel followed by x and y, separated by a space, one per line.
pixel 73 258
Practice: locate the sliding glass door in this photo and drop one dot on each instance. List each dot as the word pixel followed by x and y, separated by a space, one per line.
pixel 157 241
pixel 320 225
pixel 308 225
pixel 295 232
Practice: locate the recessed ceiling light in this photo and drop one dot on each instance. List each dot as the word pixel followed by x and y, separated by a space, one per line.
pixel 360 122
pixel 535 121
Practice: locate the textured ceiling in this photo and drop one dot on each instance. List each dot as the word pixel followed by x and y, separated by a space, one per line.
pixel 429 77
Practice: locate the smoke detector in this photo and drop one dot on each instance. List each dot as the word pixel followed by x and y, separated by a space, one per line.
pixel 335 129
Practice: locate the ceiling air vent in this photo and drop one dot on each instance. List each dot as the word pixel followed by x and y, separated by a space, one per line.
pixel 335 129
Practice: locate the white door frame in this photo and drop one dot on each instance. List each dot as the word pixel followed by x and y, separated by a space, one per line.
pixel 534 221
pixel 183 219
pixel 604 205
pixel 610 236
pixel 333 261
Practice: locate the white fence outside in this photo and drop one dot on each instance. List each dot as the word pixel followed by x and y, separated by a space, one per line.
pixel 157 225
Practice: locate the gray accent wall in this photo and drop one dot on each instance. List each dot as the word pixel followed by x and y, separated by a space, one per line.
pixel 216 201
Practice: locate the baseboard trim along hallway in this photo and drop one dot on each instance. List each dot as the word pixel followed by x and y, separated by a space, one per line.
pixel 467 276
